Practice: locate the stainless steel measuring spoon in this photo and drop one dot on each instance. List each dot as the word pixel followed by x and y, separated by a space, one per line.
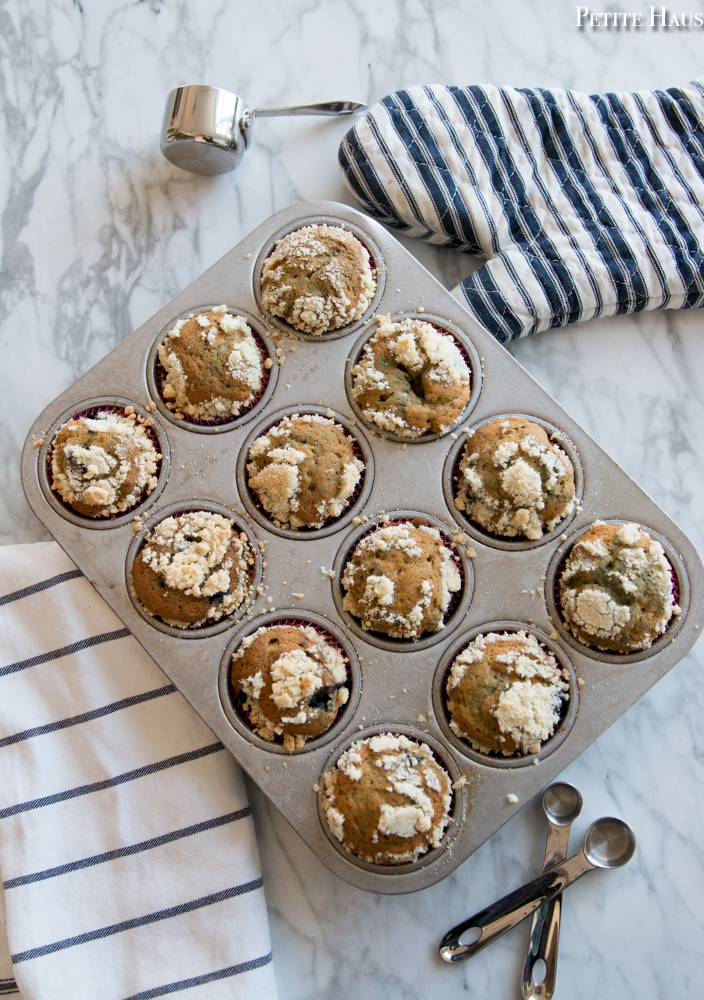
pixel 207 130
pixel 609 843
pixel 562 804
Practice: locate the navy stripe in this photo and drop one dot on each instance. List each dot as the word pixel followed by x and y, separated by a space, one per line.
pixel 128 925
pixel 363 179
pixel 120 779
pixel 440 183
pixel 471 174
pixel 56 654
pixel 125 852
pixel 557 218
pixel 209 977
pixel 96 713
pixel 524 227
pixel 35 588
pixel 616 253
pixel 399 175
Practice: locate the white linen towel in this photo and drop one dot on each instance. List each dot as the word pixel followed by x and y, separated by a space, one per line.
pixel 127 846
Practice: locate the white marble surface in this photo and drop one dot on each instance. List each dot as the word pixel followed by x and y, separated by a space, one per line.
pixel 98 231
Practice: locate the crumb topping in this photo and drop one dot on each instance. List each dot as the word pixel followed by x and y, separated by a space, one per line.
pixel 513 480
pixel 505 693
pixel 298 686
pixel 304 470
pixel 104 464
pixel 200 555
pixel 400 580
pixel 318 278
pixel 411 378
pixel 213 365
pixel 395 795
pixel 616 588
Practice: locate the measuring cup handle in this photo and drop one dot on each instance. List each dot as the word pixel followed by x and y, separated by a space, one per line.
pixel 326 108
pixel 501 916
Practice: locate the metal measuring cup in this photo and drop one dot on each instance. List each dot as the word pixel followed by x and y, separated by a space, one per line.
pixel 206 130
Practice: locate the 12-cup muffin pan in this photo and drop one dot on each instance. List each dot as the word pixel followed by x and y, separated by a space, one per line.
pixel 395 685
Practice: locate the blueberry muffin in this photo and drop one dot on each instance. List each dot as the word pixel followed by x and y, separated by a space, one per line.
pixel 292 682
pixel 214 367
pixel 505 693
pixel 616 588
pixel 400 580
pixel 105 464
pixel 318 279
pixel 304 471
pixel 387 799
pixel 194 569
pixel 411 379
pixel 513 480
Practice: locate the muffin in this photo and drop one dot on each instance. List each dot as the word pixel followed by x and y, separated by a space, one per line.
pixel 292 682
pixel 318 279
pixel 400 580
pixel 505 693
pixel 388 799
pixel 105 464
pixel 194 569
pixel 411 379
pixel 513 480
pixel 616 588
pixel 213 364
pixel 304 471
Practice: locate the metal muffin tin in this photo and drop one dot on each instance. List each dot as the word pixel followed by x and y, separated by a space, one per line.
pixel 396 686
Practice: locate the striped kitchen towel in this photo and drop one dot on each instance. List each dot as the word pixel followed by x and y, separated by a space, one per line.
pixel 584 206
pixel 127 847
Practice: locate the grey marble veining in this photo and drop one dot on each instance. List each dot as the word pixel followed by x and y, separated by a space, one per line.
pixel 98 231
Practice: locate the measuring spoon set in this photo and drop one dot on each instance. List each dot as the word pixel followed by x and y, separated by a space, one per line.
pixel 609 843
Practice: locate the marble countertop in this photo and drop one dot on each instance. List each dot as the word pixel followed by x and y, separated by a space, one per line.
pixel 99 231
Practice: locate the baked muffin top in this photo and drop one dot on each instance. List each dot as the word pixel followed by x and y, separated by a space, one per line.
pixel 387 799
pixel 195 569
pixel 411 379
pixel 292 680
pixel 304 471
pixel 505 693
pixel 318 278
pixel 513 480
pixel 400 580
pixel 214 367
pixel 104 465
pixel 616 588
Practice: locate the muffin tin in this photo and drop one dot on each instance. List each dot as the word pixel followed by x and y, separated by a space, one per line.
pixel 395 685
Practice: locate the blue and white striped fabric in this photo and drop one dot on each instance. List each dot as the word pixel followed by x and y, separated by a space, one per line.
pixel 126 843
pixel 584 206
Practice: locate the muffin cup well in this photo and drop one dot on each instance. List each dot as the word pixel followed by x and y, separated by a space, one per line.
pixel 89 408
pixel 138 542
pixel 680 582
pixel 251 501
pixel 458 808
pixel 450 476
pixel 156 375
pixel 458 606
pixel 468 350
pixel 231 702
pixel 569 707
pixel 376 259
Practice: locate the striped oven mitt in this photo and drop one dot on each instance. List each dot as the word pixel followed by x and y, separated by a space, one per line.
pixel 583 206
pixel 129 865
